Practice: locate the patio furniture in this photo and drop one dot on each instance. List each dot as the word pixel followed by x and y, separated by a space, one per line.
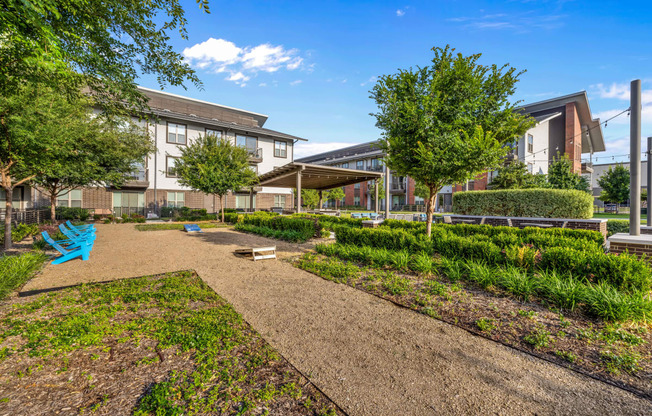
pixel 356 215
pixel 192 228
pixel 83 250
pixel 81 233
pixel 373 216
pixel 256 252
pixel 80 227
pixel 88 237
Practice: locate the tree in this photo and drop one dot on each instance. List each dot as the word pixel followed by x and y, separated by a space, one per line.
pixel 214 166
pixel 561 175
pixel 309 197
pixel 97 150
pixel 615 185
pixel 336 194
pixel 512 175
pixel 102 46
pixel 448 122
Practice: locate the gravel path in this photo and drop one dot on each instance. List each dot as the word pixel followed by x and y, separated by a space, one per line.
pixel 369 356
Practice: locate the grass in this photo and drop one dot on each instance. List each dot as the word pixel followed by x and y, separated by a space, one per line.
pixel 215 363
pixel 174 226
pixel 16 270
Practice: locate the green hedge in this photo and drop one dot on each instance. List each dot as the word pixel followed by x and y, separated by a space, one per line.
pixel 617 226
pixel 329 222
pixel 546 249
pixel 540 203
pixel 69 213
pixel 279 234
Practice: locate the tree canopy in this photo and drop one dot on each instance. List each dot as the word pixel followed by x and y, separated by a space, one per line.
pixel 615 185
pixel 336 194
pixel 448 122
pixel 214 166
pixel 103 46
pixel 561 175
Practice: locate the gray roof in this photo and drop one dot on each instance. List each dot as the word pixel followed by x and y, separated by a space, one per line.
pixel 345 153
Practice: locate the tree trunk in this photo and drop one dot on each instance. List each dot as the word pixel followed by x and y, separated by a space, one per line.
pixel 53 207
pixel 9 193
pixel 429 209
pixel 222 207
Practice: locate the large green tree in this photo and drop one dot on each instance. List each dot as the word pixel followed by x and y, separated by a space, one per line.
pixel 97 150
pixel 214 166
pixel 100 45
pixel 511 175
pixel 448 122
pixel 615 185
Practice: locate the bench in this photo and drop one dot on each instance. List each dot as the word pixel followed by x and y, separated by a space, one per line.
pixel 255 252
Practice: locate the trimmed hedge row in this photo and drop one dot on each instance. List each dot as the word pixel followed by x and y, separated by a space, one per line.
pixel 329 222
pixel 292 236
pixel 540 203
pixel 592 265
pixel 617 226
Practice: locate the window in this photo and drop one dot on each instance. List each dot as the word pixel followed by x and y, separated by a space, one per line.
pixel 359 165
pixel 176 199
pixel 280 149
pixel 216 133
pixel 530 167
pixel 242 201
pixel 356 186
pixel 375 164
pixel 15 201
pixel 176 133
pixel 249 143
pixel 530 143
pixel 170 163
pixel 128 203
pixel 356 201
pixel 279 201
pixel 345 165
pixel 71 199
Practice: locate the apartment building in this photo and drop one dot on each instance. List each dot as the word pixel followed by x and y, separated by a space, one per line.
pixel 565 126
pixel 176 121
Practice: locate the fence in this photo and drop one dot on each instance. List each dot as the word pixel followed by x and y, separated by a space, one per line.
pixel 27 216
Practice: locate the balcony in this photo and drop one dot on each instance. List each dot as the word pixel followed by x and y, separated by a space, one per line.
pixel 137 179
pixel 255 155
pixel 397 187
pixel 587 167
pixel 377 168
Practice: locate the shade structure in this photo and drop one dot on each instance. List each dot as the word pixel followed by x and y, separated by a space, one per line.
pixel 316 177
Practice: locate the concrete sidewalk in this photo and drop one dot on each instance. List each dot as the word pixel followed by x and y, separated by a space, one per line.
pixel 366 354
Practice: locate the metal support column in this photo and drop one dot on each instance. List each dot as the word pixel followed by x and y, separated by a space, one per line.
pixel 376 189
pixel 635 159
pixel 298 191
pixel 649 179
pixel 387 182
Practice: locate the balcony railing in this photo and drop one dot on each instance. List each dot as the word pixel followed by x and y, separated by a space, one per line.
pixel 377 168
pixel 255 155
pixel 137 179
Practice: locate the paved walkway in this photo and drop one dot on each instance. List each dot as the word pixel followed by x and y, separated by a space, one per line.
pixel 369 356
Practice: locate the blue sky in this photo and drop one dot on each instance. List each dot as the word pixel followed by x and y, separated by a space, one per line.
pixel 310 65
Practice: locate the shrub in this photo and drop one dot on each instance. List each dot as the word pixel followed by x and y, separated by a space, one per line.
pixel 382 238
pixel 68 213
pixel 305 227
pixel 617 226
pixel 20 231
pixel 540 203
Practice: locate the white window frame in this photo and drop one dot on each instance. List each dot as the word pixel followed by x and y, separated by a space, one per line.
pixel 279 201
pixel 167 166
pixel 280 148
pixel 177 130
pixel 68 198
pixel 530 143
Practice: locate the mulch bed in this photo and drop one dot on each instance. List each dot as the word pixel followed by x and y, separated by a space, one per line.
pixel 574 340
pixel 93 350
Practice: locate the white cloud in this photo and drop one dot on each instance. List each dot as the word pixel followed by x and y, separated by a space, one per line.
pixel 520 22
pixel 400 13
pixel 262 84
pixel 220 55
pixel 303 149
pixel 646 115
pixel 296 82
pixel 620 91
pixel 369 81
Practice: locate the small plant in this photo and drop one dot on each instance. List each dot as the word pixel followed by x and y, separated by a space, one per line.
pixel 486 324
pixel 625 361
pixel 397 285
pixel 527 314
pixel 566 356
pixel 539 338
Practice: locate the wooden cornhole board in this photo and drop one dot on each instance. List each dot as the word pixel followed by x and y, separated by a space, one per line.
pixel 255 252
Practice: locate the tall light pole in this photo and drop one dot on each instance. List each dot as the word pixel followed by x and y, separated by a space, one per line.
pixel 635 159
pixel 649 179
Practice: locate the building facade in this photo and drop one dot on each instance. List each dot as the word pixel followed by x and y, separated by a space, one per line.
pixel 176 121
pixel 564 126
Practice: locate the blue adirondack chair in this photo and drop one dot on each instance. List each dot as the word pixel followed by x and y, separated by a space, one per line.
pixel 90 237
pixel 80 227
pixel 83 250
pixel 373 216
pixel 356 215
pixel 81 233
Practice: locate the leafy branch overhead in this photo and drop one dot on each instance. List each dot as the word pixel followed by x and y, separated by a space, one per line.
pixel 448 122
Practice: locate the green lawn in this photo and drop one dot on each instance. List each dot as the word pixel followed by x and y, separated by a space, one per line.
pixel 618 216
